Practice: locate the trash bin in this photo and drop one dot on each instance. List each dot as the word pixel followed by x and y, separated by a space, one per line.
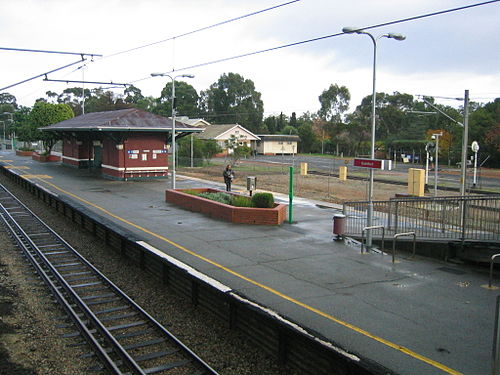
pixel 339 223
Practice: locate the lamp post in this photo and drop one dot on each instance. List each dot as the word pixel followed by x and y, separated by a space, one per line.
pixel 4 135
pixel 3 139
pixel 436 162
pixel 353 30
pixel 173 116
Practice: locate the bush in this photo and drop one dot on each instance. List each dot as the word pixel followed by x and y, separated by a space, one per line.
pixel 241 201
pixel 217 197
pixel 263 200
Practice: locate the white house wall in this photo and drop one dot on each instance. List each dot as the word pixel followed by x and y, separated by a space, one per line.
pixel 277 147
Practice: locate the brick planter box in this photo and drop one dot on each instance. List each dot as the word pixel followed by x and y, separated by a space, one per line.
pixel 24 153
pixel 45 158
pixel 242 215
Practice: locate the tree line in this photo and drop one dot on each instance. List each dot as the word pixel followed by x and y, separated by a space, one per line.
pixel 405 124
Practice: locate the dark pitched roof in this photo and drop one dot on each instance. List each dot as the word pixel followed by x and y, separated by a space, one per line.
pixel 131 119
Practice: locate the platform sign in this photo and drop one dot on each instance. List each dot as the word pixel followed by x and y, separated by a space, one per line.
pixel 373 163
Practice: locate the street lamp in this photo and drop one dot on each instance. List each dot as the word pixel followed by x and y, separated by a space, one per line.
pixel 436 162
pixel 353 30
pixel 173 115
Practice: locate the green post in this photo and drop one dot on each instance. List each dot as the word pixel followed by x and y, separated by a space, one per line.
pixel 290 197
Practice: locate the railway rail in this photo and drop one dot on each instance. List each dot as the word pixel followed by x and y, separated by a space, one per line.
pixel 126 338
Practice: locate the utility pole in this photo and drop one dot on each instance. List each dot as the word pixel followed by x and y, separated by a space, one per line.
pixel 465 142
pixel 436 163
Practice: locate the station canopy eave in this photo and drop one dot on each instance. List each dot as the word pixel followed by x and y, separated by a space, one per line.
pixel 123 120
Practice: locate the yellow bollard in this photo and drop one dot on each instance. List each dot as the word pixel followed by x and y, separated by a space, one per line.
pixel 416 182
pixel 343 173
pixel 303 169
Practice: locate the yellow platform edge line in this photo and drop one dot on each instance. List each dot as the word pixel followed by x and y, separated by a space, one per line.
pixel 354 328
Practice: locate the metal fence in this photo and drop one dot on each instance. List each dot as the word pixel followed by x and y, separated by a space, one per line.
pixel 455 217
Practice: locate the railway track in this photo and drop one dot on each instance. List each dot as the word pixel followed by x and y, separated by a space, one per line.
pixel 401 183
pixel 125 338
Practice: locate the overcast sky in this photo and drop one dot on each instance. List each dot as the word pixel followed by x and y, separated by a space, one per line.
pixel 442 56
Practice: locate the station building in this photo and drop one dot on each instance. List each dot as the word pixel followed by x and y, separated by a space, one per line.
pixel 123 144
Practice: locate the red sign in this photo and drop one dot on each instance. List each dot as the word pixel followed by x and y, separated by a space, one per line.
pixel 371 163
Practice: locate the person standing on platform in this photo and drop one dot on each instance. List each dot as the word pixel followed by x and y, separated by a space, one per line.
pixel 228 175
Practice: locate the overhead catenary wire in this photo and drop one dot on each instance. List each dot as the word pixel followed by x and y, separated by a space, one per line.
pixel 201 29
pixel 51 52
pixel 139 47
pixel 394 22
pixel 89 82
pixel 41 75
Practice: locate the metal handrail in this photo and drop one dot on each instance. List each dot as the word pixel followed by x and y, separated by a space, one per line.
pixel 461 218
pixel 491 268
pixel 401 235
pixel 371 228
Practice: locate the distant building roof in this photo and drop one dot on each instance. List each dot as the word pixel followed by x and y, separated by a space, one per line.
pixel 198 122
pixel 218 131
pixel 131 119
pixel 279 137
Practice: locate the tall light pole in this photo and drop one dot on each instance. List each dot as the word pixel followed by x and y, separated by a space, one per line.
pixel 3 139
pixel 436 162
pixel 173 115
pixel 353 30
pixel 12 121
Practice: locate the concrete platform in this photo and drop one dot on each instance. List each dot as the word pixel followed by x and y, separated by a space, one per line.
pixel 414 317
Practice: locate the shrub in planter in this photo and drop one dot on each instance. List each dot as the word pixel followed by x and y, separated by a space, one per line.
pixel 218 197
pixel 241 201
pixel 27 149
pixel 263 200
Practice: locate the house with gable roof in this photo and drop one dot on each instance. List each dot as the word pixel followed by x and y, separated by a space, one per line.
pixel 196 122
pixel 223 133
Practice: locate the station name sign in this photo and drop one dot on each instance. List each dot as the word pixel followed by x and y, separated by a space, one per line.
pixel 373 163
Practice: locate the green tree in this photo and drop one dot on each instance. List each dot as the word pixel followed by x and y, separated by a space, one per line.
pixel 293 120
pixel 235 150
pixel 185 151
pixel 73 97
pixel 203 150
pixel 44 114
pixel 186 99
pixel 8 102
pixel 307 137
pixel 133 96
pixel 101 100
pixel 210 148
pixel 271 123
pixel 484 127
pixel 334 103
pixel 8 108
pixel 21 124
pixel 289 130
pixel 233 99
